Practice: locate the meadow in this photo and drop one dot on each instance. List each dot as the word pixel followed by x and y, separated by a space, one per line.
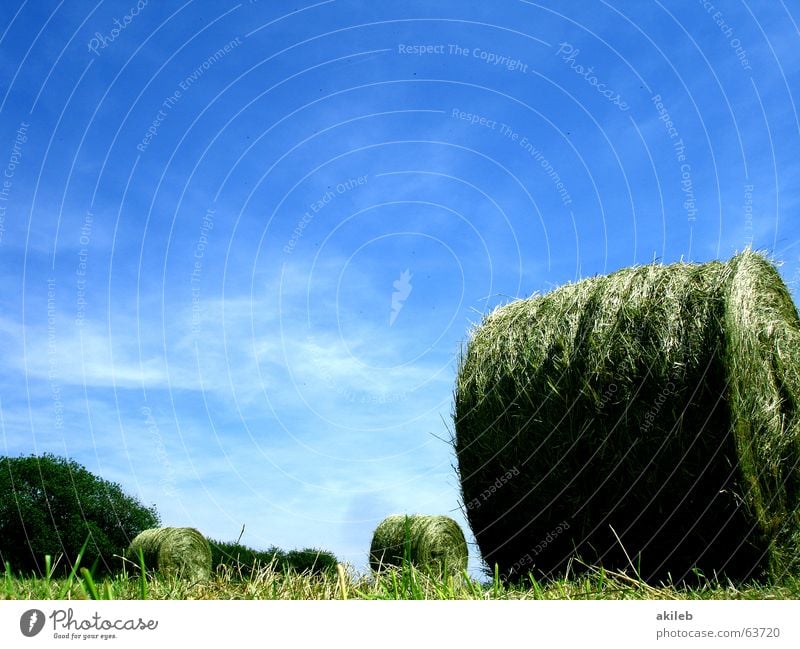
pixel 404 583
pixel 660 379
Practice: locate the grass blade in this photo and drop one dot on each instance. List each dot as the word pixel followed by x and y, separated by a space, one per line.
pixel 88 585
pixel 142 576
pixel 72 574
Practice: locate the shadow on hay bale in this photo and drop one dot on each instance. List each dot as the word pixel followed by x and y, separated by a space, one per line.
pixel 433 544
pixel 645 417
pixel 173 551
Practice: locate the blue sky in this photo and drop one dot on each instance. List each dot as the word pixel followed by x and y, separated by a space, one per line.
pixel 243 243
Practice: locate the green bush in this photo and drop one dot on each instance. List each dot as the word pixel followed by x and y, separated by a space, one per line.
pixel 316 562
pixel 241 559
pixel 52 506
pixel 245 561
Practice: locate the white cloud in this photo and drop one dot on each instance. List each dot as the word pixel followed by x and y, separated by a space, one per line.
pixel 296 420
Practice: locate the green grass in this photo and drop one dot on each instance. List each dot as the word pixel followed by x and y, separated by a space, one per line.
pixel 406 582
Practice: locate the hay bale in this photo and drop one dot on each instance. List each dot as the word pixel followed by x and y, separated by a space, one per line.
pixel 176 551
pixel 646 417
pixel 433 544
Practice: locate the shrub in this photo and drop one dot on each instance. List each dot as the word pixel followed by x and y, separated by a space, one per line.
pixel 310 560
pixel 246 561
pixel 242 559
pixel 52 505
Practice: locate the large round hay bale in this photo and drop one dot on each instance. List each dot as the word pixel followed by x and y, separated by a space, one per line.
pixel 176 551
pixel 648 417
pixel 433 544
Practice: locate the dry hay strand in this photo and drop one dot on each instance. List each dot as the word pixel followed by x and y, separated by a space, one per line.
pixel 175 551
pixel 433 544
pixel 644 420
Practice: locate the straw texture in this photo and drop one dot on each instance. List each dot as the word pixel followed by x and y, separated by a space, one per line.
pixel 642 420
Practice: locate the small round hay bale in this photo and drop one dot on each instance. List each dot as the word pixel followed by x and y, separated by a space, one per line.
pixel 434 544
pixel 176 551
pixel 648 417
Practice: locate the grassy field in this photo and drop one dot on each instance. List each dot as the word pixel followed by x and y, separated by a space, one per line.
pixel 404 583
